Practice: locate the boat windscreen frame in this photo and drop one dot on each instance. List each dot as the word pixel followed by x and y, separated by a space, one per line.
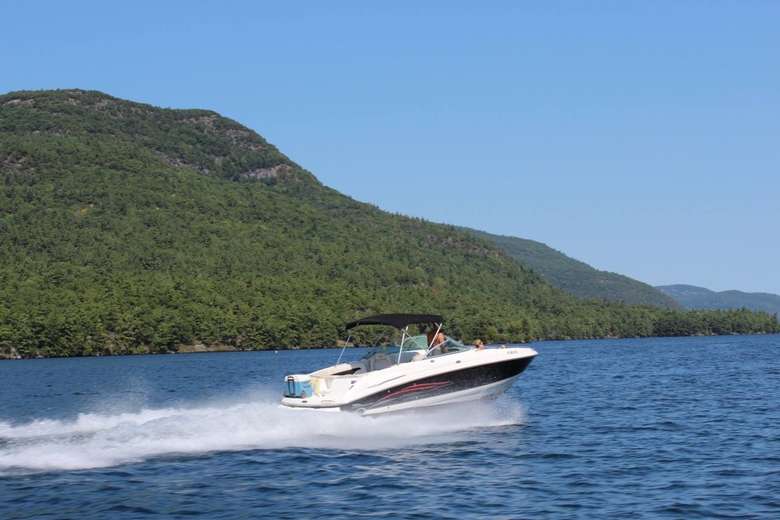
pixel 405 331
pixel 400 322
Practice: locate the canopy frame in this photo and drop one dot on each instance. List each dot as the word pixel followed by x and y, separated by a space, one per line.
pixel 400 322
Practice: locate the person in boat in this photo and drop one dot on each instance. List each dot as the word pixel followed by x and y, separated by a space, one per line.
pixel 478 344
pixel 437 342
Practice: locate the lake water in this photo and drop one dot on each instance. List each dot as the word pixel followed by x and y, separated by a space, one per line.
pixel 646 428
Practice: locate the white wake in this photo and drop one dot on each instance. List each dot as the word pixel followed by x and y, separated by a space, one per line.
pixel 95 440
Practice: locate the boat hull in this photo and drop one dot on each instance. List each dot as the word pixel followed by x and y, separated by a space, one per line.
pixel 471 383
pixel 466 384
pixel 484 392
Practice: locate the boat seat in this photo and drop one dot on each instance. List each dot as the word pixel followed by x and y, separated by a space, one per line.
pixel 411 355
pixel 380 361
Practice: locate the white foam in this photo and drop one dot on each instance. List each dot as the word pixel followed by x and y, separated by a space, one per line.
pixel 95 440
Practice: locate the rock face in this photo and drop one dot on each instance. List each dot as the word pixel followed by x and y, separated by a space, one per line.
pixel 9 353
pixel 201 347
pixel 267 173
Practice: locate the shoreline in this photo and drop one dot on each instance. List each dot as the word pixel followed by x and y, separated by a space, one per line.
pixel 200 348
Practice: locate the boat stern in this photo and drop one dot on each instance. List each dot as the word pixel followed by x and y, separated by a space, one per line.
pixel 300 393
pixel 298 386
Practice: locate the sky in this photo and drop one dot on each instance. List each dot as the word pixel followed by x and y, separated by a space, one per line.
pixel 640 137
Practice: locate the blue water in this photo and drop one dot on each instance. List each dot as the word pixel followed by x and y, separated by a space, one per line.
pixel 650 428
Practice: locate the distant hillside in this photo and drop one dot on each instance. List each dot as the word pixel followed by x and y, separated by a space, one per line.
pixel 575 277
pixel 127 228
pixel 692 297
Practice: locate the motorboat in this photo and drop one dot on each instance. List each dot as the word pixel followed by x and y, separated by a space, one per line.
pixel 421 371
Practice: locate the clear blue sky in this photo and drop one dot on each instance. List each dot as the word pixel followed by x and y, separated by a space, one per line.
pixel 642 138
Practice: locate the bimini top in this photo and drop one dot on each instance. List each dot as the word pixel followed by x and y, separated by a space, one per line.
pixel 398 321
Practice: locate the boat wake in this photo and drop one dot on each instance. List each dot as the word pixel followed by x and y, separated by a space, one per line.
pixel 98 440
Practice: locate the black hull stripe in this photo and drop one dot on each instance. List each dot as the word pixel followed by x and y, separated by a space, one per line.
pixel 442 384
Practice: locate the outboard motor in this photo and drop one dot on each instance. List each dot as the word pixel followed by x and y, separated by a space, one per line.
pixel 298 385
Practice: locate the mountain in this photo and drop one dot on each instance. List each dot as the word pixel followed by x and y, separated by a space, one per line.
pixel 692 297
pixel 126 228
pixel 575 277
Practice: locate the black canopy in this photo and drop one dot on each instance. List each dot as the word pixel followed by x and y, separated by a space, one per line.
pixel 398 321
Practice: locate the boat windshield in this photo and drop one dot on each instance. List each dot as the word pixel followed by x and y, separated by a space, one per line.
pixel 416 342
pixel 411 343
pixel 450 346
pixel 421 343
pixel 415 346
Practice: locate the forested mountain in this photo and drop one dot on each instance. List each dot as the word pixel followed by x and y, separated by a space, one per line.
pixel 128 228
pixel 575 277
pixel 692 297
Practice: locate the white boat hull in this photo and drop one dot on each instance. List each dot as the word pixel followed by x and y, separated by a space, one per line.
pixel 489 391
pixel 452 378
